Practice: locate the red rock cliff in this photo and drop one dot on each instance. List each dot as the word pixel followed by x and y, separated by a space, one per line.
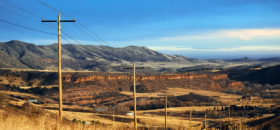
pixel 67 78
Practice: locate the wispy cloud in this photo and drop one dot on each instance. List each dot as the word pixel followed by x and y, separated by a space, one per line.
pixel 227 36
pixel 241 48
pixel 242 34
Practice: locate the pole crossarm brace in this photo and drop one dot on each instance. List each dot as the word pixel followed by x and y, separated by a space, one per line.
pixel 129 68
pixel 59 59
pixel 43 20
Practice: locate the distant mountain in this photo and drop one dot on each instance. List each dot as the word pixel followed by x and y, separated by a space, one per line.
pixel 244 59
pixel 18 54
pixel 272 59
pixel 247 59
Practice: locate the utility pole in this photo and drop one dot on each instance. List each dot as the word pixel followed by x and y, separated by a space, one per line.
pixel 205 119
pixel 134 97
pixel 59 60
pixel 191 118
pixel 229 118
pixel 229 113
pixel 113 126
pixel 220 123
pixel 165 126
pixel 165 95
pixel 134 92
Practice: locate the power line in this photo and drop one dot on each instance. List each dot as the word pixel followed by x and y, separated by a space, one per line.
pixel 31 13
pixel 99 38
pixel 19 8
pixel 47 5
pixel 65 39
pixel 76 25
pixel 87 32
pixel 71 37
pixel 30 18
pixel 14 12
pixel 29 28
pixel 55 9
pixel 68 35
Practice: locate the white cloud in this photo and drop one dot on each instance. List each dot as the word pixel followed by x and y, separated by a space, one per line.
pixel 241 48
pixel 169 48
pixel 242 34
pixel 226 38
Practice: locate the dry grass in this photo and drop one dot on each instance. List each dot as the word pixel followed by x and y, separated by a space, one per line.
pixel 223 97
pixel 22 122
pixel 18 94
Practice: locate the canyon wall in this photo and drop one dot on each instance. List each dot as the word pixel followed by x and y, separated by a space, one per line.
pixel 91 88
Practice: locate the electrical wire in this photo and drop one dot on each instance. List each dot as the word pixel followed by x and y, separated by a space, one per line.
pixel 27 17
pixel 14 12
pixel 71 37
pixel 55 9
pixel 88 32
pixel 47 5
pixel 29 28
pixel 85 32
pixel 99 38
pixel 22 9
pixel 37 30
pixel 31 13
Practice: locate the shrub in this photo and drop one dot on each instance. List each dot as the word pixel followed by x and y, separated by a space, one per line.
pixel 3 100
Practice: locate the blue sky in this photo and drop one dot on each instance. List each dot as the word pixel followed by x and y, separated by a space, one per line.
pixel 200 28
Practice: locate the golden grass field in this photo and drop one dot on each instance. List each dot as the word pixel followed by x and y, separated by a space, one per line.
pixel 22 122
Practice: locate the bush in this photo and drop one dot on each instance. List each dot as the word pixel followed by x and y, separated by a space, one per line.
pixel 95 122
pixel 3 100
pixel 33 110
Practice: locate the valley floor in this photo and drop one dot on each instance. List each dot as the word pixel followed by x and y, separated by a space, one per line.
pixel 147 118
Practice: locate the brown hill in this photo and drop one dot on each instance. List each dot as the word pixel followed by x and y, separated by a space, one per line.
pixel 94 88
pixel 22 55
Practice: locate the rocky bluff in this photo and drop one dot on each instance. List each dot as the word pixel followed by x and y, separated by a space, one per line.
pixel 120 81
pixel 104 88
pixel 85 88
pixel 216 82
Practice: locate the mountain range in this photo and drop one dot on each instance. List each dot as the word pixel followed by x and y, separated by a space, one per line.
pixel 22 55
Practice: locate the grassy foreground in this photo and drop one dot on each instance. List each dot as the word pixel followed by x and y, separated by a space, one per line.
pixel 15 121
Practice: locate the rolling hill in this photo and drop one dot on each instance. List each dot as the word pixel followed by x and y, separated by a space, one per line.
pixel 22 55
pixel 267 75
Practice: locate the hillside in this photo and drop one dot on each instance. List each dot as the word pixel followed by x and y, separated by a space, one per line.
pixel 267 75
pixel 102 88
pixel 79 57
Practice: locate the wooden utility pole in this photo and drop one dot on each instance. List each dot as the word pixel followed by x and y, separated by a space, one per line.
pixel 220 123
pixel 229 112
pixel 191 118
pixel 134 92
pixel 134 97
pixel 113 126
pixel 165 126
pixel 165 95
pixel 229 118
pixel 59 59
pixel 205 119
